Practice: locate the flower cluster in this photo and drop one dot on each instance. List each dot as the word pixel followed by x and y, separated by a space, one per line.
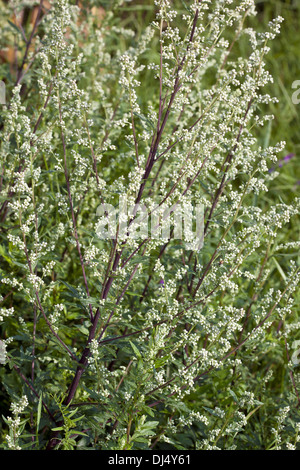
pixel 15 424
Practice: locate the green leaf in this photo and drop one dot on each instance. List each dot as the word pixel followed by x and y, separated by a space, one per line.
pixel 187 8
pixel 39 412
pixel 134 294
pixel 279 268
pixel 234 396
pixel 15 27
pixel 136 351
pixel 79 433
pixel 212 412
pixel 72 289
pixel 253 411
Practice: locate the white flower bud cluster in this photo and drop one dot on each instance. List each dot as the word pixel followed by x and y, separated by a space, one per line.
pixel 14 423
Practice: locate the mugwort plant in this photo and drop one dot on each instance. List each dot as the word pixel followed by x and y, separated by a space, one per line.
pixel 117 335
